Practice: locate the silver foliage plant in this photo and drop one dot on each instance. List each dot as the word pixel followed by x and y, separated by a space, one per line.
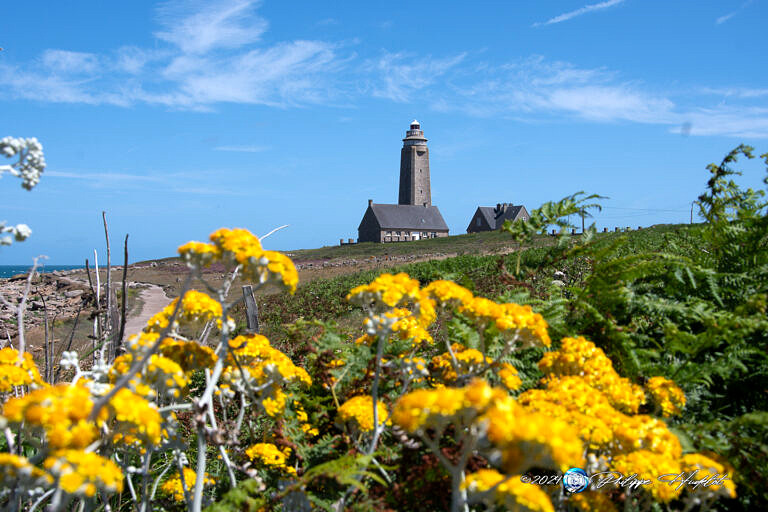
pixel 29 166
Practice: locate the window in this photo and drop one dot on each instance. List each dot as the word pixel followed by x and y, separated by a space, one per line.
pixel 478 222
pixel 433 235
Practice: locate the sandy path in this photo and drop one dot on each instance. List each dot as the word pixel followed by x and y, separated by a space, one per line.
pixel 153 299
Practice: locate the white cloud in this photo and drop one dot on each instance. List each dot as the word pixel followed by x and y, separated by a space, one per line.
pixel 212 58
pixel 723 19
pixel 726 17
pixel 578 12
pixel 737 92
pixel 67 62
pixel 538 90
pixel 396 80
pixel 200 27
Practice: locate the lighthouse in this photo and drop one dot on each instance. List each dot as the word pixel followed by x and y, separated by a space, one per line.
pixel 414 217
pixel 414 168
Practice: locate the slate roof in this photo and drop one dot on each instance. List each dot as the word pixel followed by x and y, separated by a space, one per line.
pixel 489 213
pixel 406 216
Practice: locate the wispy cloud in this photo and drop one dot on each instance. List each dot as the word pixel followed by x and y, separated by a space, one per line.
pixel 737 92
pixel 578 12
pixel 726 17
pixel 242 149
pixel 200 27
pixel 536 89
pixel 208 53
pixel 396 76
pixel 106 176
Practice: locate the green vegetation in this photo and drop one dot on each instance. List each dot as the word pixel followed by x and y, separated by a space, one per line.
pixel 685 302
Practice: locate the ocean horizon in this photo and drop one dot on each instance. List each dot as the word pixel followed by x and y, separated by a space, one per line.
pixel 11 270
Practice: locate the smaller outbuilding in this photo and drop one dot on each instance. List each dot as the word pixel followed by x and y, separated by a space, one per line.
pixel 489 218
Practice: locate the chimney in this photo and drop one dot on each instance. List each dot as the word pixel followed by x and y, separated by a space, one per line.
pixel 370 202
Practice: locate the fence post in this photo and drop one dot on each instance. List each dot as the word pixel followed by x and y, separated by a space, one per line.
pixel 251 309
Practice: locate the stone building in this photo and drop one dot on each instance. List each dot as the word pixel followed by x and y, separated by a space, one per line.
pixel 489 218
pixel 414 217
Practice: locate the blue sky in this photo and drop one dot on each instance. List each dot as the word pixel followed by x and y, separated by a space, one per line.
pixel 178 118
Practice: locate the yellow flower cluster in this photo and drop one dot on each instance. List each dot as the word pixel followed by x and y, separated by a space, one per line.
pixel 649 465
pixel 196 309
pixel 60 411
pixel 448 292
pixel 407 325
pixel 427 408
pixel 84 473
pixel 385 291
pixel 469 360
pixel 359 409
pixel 577 356
pixel 271 456
pixel 592 501
pixel 709 467
pixel 530 327
pixel 666 395
pixel 253 351
pixel 161 375
pixel 189 355
pixel 509 377
pixel 174 488
pixel 240 246
pixel 253 362
pixel 14 373
pixel 303 418
pixel 136 417
pixel 15 470
pixel 510 492
pixel 530 439
pixel 572 400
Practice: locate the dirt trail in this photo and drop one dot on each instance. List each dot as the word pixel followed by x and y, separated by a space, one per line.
pixel 153 300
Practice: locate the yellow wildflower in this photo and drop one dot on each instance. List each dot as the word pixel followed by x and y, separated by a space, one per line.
pixel 509 491
pixel 387 290
pixel 173 486
pixel 666 395
pixel 61 411
pixel 360 410
pixel 707 467
pixel 509 377
pixel 14 373
pixel 649 465
pixel 271 456
pixel 83 473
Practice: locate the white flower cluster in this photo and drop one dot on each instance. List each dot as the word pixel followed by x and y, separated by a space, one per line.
pixel 20 232
pixel 31 160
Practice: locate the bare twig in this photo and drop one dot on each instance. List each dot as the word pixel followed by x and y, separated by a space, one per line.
pixel 22 307
pixel 275 230
pixel 71 337
pixel 139 363
pixel 119 342
pixel 46 340
pixel 109 325
pixel 97 320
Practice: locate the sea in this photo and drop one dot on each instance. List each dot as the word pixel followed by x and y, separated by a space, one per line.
pixel 12 270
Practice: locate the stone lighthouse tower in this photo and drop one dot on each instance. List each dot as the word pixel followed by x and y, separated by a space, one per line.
pixel 414 168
